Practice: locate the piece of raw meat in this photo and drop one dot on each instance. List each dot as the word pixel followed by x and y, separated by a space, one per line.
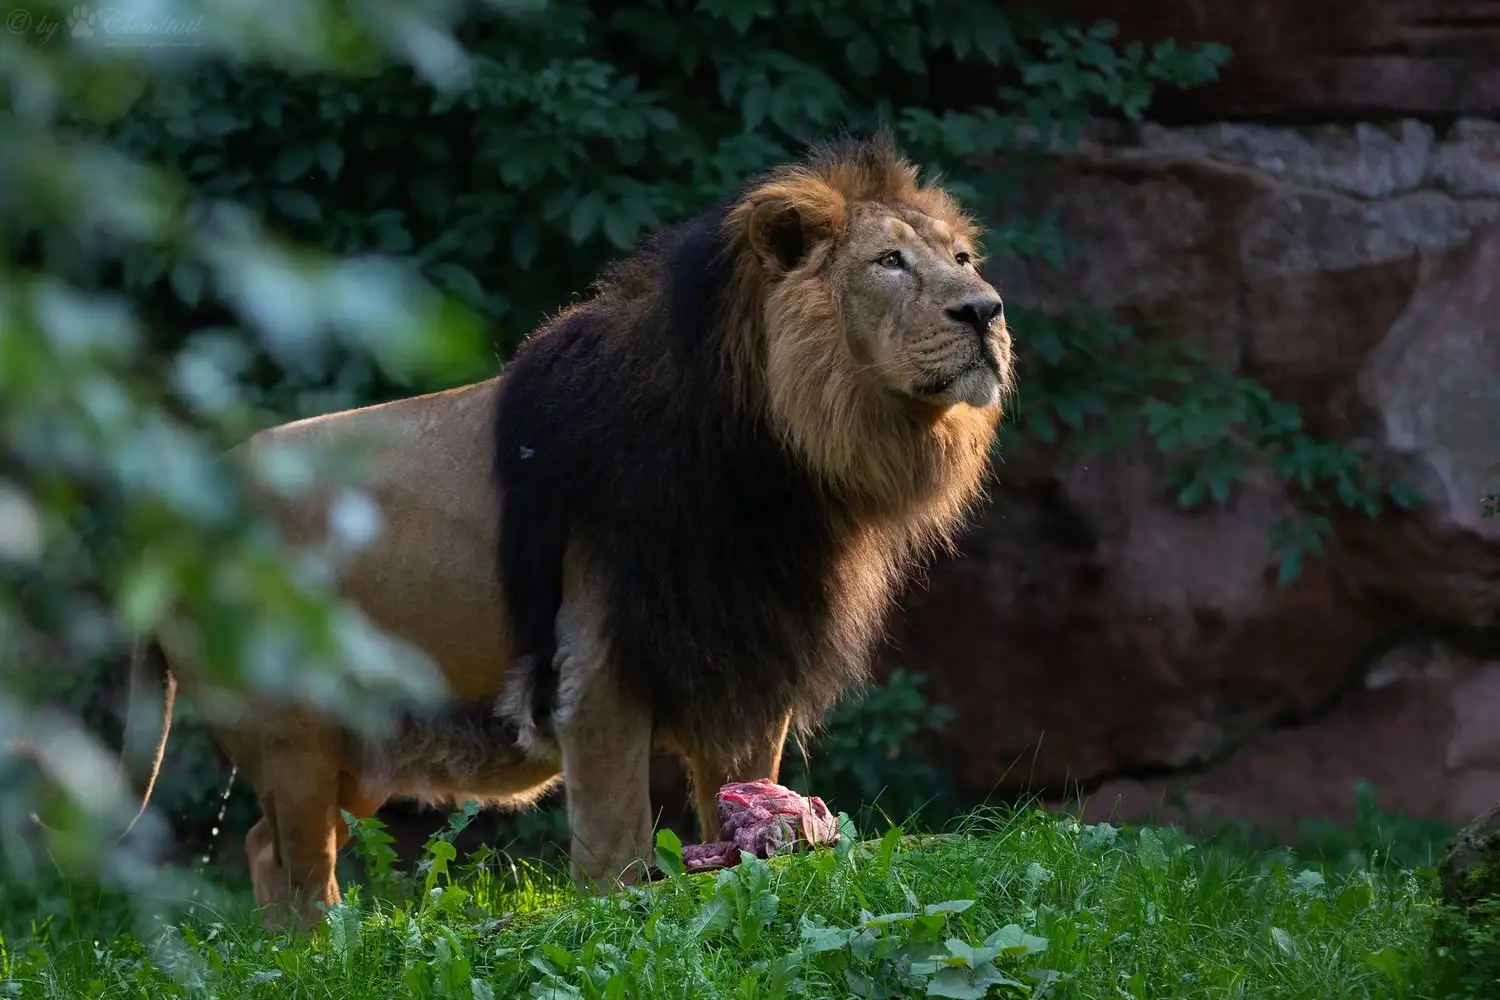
pixel 763 818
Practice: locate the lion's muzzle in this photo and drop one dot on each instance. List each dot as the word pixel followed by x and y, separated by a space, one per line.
pixel 977 312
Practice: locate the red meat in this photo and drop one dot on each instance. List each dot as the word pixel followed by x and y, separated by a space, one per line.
pixel 763 818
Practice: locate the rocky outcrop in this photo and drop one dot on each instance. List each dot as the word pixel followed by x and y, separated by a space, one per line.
pixel 1093 631
pixel 1433 390
pixel 1420 725
pixel 1471 870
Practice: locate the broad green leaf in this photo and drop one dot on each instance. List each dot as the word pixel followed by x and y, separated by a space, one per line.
pixel 585 217
pixel 296 204
pixel 712 919
pixel 187 280
pixel 458 279
pixel 146 592
pixel 669 852
pixel 753 107
pixel 888 846
pixel 1013 942
pixel 1389 962
pixel 819 938
pixel 293 162
pixel 1353 898
pixel 1191 495
pixel 954 983
pixel 620 226
pixel 330 157
pixel 1307 881
pixel 948 906
pixel 523 244
pixel 1290 568
pixel 1043 425
pixel 862 55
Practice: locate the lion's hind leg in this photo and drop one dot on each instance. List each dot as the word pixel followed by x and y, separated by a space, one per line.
pixel 301 785
pixel 706 775
pixel 267 879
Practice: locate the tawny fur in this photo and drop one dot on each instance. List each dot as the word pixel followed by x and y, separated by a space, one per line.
pixel 703 487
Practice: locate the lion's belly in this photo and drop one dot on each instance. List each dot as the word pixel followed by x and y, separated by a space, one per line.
pixel 462 752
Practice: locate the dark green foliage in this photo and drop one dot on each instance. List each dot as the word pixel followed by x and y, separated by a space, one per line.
pixel 869 757
pixel 589 124
pixel 1466 945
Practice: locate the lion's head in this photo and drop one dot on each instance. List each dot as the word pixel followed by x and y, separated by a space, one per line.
pixel 874 316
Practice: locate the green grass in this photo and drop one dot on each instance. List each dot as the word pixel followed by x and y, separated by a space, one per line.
pixel 1028 904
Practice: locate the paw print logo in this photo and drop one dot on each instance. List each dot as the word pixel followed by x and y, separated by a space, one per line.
pixel 81 22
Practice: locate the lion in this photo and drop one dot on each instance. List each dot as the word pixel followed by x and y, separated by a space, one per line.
pixel 675 521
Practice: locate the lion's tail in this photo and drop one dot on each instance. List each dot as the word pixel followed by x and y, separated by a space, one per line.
pixel 153 691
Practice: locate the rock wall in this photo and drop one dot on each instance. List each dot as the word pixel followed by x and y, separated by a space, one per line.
pixel 1338 60
pixel 1091 634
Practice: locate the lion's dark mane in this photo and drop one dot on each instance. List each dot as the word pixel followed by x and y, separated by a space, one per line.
pixel 615 425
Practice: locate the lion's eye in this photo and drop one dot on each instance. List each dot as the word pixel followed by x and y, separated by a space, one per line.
pixel 962 257
pixel 891 259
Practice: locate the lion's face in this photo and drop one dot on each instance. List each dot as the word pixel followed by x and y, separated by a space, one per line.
pixel 918 316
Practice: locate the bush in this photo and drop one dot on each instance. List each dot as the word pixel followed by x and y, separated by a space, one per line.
pixel 585 125
pixel 869 758
pixel 1467 946
pixel 114 505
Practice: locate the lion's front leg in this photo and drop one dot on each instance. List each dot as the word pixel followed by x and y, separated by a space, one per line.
pixel 707 776
pixel 606 751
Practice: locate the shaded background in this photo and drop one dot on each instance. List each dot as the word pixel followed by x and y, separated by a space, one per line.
pixel 1234 561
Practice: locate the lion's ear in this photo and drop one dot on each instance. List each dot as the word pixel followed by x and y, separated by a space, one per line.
pixel 784 221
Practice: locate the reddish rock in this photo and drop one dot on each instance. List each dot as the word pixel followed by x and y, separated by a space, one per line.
pixel 1092 631
pixel 1420 727
pixel 1074 643
pixel 1335 60
pixel 1432 389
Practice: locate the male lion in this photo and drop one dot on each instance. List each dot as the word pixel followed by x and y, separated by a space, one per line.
pixel 676 520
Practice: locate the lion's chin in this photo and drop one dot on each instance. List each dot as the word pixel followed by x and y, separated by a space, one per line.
pixel 977 385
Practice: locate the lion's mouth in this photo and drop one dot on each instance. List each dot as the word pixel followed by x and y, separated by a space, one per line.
pixel 943 384
pixel 935 387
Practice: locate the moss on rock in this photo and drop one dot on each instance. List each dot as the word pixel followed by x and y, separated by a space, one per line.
pixel 1471 871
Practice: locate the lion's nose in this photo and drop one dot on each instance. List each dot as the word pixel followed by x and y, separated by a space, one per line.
pixel 977 312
